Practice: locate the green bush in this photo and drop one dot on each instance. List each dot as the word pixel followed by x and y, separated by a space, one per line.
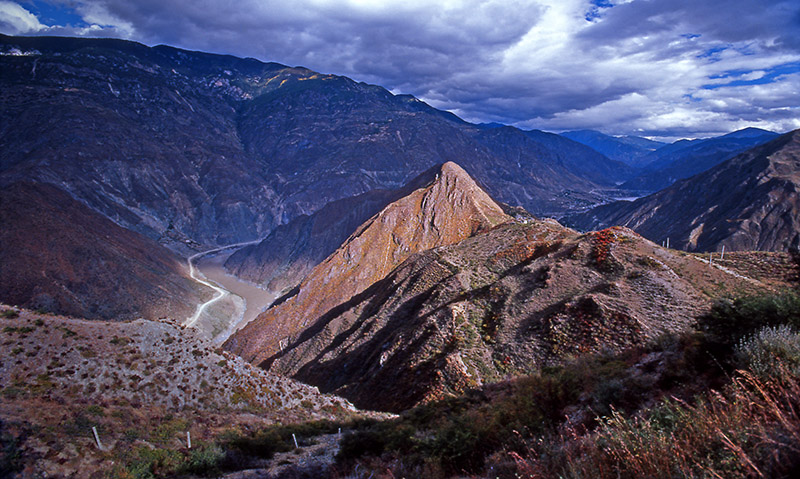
pixel 730 319
pixel 204 460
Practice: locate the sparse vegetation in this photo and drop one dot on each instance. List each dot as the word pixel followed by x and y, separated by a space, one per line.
pixel 749 427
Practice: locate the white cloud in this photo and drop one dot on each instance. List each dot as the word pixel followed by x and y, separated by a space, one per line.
pixel 16 20
pixel 639 66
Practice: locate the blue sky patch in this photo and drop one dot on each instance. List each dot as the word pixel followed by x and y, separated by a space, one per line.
pixel 55 15
pixel 771 74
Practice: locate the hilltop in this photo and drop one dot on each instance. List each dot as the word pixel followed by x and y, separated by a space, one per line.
pixel 443 207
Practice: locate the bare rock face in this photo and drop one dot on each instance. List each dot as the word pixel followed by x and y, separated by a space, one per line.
pixel 447 209
pixel 750 202
pixel 499 304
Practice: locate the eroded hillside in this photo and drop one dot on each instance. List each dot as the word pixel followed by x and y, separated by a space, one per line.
pixel 445 209
pixel 502 303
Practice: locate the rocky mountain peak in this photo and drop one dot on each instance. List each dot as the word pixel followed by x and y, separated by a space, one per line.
pixel 443 206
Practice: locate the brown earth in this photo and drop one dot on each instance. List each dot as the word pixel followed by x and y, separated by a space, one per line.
pixel 143 384
pixel 58 255
pixel 448 209
pixel 500 304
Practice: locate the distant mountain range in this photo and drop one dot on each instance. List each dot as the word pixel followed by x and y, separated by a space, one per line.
pixel 686 158
pixel 188 147
pixel 194 150
pixel 750 202
pixel 631 150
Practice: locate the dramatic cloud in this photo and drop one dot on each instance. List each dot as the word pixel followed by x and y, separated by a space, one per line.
pixel 15 20
pixel 662 68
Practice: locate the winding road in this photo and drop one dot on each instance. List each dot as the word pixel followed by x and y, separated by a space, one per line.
pixel 198 276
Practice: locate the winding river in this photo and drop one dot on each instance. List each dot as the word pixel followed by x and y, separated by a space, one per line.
pixel 207 269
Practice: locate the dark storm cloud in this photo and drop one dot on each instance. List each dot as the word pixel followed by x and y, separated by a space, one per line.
pixel 657 67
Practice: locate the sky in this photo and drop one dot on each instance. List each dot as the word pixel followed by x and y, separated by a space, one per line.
pixel 663 69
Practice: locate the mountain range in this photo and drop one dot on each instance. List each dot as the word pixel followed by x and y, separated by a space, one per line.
pixel 194 150
pixel 432 317
pixel 631 150
pixel 683 159
pixel 749 202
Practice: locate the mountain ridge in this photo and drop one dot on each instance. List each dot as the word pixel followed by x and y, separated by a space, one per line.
pixel 748 202
pixel 444 206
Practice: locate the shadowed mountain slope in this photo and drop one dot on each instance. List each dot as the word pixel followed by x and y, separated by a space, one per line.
pixel 447 207
pixel 188 147
pixel 751 202
pixel 58 255
pixel 687 158
pixel 504 302
pixel 629 150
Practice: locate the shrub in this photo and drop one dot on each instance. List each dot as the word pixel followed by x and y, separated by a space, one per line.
pixel 772 351
pixel 204 460
pixel 732 318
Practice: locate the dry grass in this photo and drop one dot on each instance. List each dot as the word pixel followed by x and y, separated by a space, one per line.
pixel 752 429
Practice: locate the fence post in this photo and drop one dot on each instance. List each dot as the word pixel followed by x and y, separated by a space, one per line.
pixel 97 438
pixel 188 439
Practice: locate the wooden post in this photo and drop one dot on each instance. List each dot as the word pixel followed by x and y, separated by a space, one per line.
pixel 722 255
pixel 97 438
pixel 295 441
pixel 188 439
pixel 667 242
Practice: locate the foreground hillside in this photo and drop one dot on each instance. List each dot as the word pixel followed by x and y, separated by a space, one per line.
pixel 718 401
pixel 143 385
pixel 505 302
pixel 750 202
